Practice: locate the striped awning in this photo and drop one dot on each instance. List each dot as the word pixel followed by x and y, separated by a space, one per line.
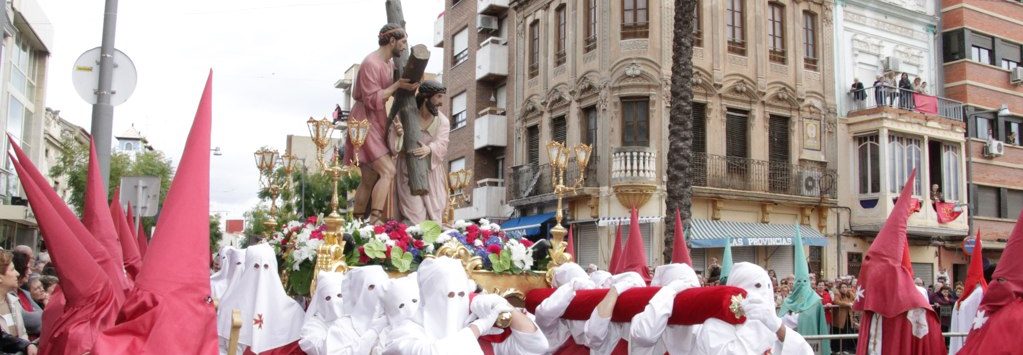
pixel 706 233
pixel 526 226
pixel 617 221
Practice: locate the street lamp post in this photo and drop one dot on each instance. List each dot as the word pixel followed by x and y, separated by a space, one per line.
pixel 320 132
pixel 266 161
pixel 971 189
pixel 558 154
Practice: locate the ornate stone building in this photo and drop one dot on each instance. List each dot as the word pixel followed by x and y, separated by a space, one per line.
pixel 598 72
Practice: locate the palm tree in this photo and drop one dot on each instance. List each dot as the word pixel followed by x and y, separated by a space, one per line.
pixel 680 122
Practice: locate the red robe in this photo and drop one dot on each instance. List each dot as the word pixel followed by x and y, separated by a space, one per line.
pixel 999 334
pixel 898 336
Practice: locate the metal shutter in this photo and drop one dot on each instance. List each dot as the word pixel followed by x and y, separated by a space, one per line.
pixel 587 244
pixel 533 134
pixel 699 257
pixel 925 271
pixel 781 260
pixel 647 231
pixel 778 154
pixel 737 141
pixel 699 127
pixel 559 130
pixel 747 254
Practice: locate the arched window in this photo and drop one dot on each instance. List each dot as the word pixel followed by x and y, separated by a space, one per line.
pixel 868 159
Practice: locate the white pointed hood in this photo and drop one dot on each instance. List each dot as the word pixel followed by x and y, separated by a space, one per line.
pixel 444 289
pixel 326 303
pixel 230 261
pixel 666 274
pixel 270 319
pixel 400 299
pixel 754 280
pixel 361 290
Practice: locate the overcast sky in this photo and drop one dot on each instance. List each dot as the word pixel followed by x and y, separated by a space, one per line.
pixel 274 63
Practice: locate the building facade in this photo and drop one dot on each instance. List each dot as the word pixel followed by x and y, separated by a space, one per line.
pixel 597 72
pixel 981 56
pixel 24 52
pixel 888 130
pixel 56 133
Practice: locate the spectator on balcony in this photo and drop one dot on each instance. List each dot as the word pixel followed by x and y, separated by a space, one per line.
pixel 858 93
pixel 923 88
pixel 936 194
pixel 879 88
pixel 916 84
pixel 906 90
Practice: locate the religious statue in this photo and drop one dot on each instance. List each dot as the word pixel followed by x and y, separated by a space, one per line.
pixel 431 146
pixel 374 84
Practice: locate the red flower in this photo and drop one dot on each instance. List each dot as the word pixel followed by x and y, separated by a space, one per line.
pixel 316 234
pixel 378 230
pixel 419 244
pixel 387 253
pixel 486 234
pixel 494 249
pixel 402 244
pixel 310 220
pixel 526 242
pixel 363 258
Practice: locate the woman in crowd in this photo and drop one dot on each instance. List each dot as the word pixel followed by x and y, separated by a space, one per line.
pixel 14 337
pixel 843 321
pixel 38 292
pixel 32 313
pixel 944 298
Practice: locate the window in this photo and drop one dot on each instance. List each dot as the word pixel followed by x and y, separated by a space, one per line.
pixel 735 20
pixel 1013 203
pixel 779 169
pixel 458 114
pixel 533 152
pixel 24 77
pixel 559 129
pixel 560 55
pixel 981 54
pixel 460 47
pixel 776 32
pixel 590 29
pixel 737 133
pixel 950 177
pixel 698 25
pixel 809 40
pixel 982 128
pixel 499 168
pixel 1009 64
pixel 814 259
pixel 853 261
pixel 904 156
pixel 501 94
pixel 953 45
pixel 1012 131
pixel 456 165
pixel 589 126
pixel 634 19
pixel 534 49
pixel 988 202
pixel 635 122
pixel 699 127
pixel 15 118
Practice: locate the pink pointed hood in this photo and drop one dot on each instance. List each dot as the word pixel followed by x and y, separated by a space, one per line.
pixel 679 250
pixel 170 311
pixel 886 285
pixel 635 253
pixel 125 235
pixel 143 240
pixel 616 253
pixel 96 218
pixel 975 272
pixel 1007 281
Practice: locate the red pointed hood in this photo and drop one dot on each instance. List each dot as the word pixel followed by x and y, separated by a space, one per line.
pixel 679 250
pixel 130 218
pixel 96 217
pixel 634 255
pixel 125 235
pixel 885 283
pixel 975 273
pixel 616 253
pixel 570 249
pixel 112 267
pixel 143 240
pixel 170 311
pixel 1007 281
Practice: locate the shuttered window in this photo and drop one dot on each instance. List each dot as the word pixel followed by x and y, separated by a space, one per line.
pixel 780 260
pixel 699 127
pixel 779 170
pixel 747 254
pixel 1013 203
pixel 699 257
pixel 737 134
pixel 925 271
pixel 987 201
pixel 589 127
pixel 647 231
pixel 587 244
pixel 636 122
pixel 559 130
pixel 533 153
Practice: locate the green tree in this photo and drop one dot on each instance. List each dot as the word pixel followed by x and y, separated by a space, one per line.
pixel 254 219
pixel 680 121
pixel 215 233
pixel 74 165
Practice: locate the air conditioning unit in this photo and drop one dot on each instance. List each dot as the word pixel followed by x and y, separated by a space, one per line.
pixel 810 183
pixel 1016 77
pixel 891 64
pixel 487 23
pixel 994 148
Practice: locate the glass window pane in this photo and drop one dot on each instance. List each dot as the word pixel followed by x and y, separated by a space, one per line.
pixel 864 156
pixel 15 118
pixel 983 128
pixel 988 204
pixel 1014 203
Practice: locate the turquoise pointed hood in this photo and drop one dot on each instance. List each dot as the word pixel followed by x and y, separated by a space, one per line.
pixel 726 262
pixel 802 297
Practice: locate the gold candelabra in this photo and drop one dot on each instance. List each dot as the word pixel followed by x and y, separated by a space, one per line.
pixel 558 153
pixel 357 131
pixel 458 182
pixel 330 255
pixel 266 162
pixel 320 132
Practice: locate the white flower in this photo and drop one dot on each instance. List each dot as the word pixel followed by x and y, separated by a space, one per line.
pixel 413 230
pixel 428 249
pixel 446 236
pixel 478 243
pixel 389 243
pixel 366 232
pixel 521 256
pixel 383 237
pixel 494 227
pixel 484 221
pixel 461 224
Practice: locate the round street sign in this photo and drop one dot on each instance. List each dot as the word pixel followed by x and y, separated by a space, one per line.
pixel 968 244
pixel 85 77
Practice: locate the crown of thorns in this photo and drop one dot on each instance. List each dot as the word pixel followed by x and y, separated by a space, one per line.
pixel 395 30
pixel 431 87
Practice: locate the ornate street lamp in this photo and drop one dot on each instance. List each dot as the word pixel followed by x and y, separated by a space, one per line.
pixel 357 131
pixel 558 154
pixel 266 161
pixel 320 132
pixel 458 182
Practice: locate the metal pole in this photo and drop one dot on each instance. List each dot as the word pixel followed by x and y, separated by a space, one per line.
pixel 138 203
pixel 103 111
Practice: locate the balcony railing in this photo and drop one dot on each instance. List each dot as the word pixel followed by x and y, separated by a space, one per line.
pixel 634 165
pixel 888 96
pixel 533 180
pixel 737 173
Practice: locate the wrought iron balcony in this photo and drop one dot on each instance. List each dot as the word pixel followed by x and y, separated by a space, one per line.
pixel 736 173
pixel 888 96
pixel 531 180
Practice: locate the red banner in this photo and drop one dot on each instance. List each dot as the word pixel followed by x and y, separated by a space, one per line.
pixel 926 103
pixel 946 212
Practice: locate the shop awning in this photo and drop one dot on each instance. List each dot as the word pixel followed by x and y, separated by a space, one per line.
pixel 706 233
pixel 528 225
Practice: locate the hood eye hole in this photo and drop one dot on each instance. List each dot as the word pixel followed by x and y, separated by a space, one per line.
pixel 371 287
pixel 757 285
pixel 339 295
pixel 401 305
pixel 238 263
pixel 451 294
pixel 256 265
pixel 328 298
pixel 266 266
pixel 414 300
pixel 461 294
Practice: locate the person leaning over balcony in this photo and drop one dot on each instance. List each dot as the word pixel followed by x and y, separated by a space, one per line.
pixel 858 93
pixel 879 88
pixel 906 90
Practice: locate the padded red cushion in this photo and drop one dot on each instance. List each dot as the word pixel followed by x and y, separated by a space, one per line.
pixel 692 306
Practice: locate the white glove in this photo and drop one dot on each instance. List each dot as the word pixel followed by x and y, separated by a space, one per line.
pixel 581 284
pixel 757 309
pixel 623 282
pixel 791 320
pixel 486 320
pixel 677 286
pixel 483 305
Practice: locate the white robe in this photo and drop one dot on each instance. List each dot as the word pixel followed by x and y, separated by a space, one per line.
pixel 751 338
pixel 962 319
pixel 324 309
pixel 602 335
pixel 412 339
pixel 651 334
pixel 549 312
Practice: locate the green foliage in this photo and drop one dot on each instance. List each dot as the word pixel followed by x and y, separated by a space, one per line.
pixel 501 262
pixel 401 260
pixel 74 165
pixel 215 233
pixel 254 218
pixel 299 280
pixel 431 230
pixel 375 249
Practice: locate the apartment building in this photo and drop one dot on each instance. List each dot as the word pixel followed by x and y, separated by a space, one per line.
pixel 981 56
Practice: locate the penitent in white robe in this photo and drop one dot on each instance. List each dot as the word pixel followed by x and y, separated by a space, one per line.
pixel 548 318
pixel 651 334
pixel 751 338
pixel 962 319
pixel 412 339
